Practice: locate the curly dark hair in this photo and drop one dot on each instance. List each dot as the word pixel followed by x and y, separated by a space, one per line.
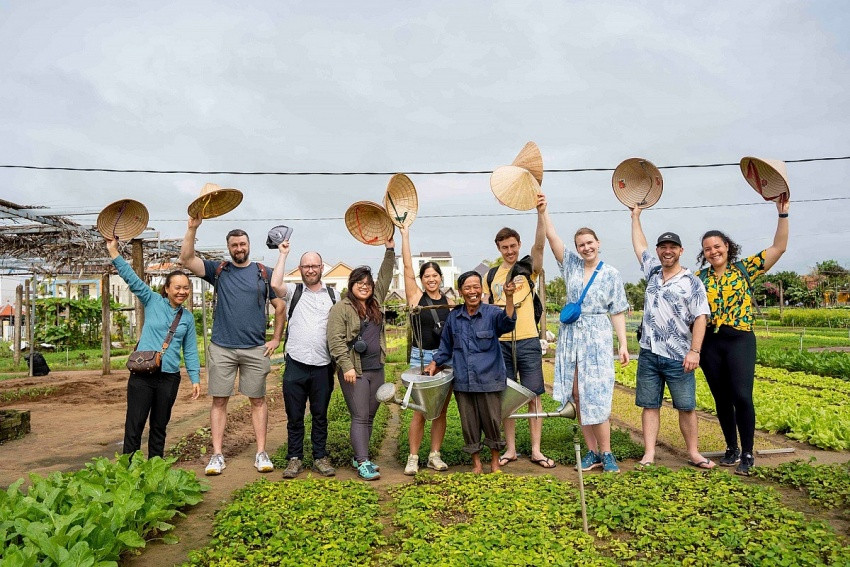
pixel 371 310
pixel 734 248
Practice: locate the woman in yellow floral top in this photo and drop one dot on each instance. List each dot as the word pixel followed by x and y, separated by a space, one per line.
pixel 728 356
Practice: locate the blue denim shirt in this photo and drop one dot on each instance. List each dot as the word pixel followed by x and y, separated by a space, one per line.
pixel 471 342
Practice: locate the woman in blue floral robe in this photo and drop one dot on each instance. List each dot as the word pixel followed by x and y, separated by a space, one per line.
pixel 584 365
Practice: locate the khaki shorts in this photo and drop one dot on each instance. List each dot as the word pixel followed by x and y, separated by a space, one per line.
pixel 223 364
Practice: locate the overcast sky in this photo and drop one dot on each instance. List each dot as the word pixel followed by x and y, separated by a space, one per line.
pixel 387 86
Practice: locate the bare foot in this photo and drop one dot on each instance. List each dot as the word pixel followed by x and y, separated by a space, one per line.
pixel 477 470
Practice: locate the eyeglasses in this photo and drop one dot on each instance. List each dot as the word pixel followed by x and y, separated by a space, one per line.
pixel 310 266
pixel 363 284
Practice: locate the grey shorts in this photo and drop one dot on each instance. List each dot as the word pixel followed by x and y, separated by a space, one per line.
pixel 223 364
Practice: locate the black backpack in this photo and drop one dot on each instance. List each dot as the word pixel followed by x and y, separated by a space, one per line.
pixel 538 305
pixel 39 365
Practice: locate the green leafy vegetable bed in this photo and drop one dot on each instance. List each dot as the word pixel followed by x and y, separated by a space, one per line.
pixel 556 442
pixel 305 522
pixel 90 517
pixel 658 518
pixel 827 486
pixel 808 408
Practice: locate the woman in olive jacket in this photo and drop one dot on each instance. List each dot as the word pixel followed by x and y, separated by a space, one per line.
pixel 358 345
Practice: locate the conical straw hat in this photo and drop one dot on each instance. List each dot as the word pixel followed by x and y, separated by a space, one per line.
pixel 369 223
pixel 123 220
pixel 400 200
pixel 515 187
pixel 767 176
pixel 530 158
pixel 637 183
pixel 214 202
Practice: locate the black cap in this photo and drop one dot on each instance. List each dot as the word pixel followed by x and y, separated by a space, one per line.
pixel 669 237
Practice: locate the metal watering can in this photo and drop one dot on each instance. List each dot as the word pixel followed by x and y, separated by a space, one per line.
pixel 426 394
pixel 516 396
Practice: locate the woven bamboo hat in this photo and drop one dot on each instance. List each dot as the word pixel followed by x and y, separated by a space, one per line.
pixel 400 200
pixel 637 183
pixel 515 187
pixel 369 223
pixel 529 158
pixel 767 176
pixel 214 202
pixel 123 220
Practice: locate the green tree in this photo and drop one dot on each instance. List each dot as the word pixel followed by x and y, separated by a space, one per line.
pixel 556 292
pixel 635 293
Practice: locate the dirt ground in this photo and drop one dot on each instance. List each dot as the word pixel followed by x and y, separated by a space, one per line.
pixel 84 418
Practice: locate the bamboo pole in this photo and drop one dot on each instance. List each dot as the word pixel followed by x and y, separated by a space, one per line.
pixel 18 328
pixel 139 268
pixel 106 329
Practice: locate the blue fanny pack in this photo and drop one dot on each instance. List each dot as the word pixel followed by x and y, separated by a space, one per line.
pixel 572 311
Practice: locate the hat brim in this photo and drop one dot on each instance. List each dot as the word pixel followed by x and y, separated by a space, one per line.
pixel 123 220
pixel 637 183
pixel 515 187
pixel 401 201
pixel 215 203
pixel 369 223
pixel 767 177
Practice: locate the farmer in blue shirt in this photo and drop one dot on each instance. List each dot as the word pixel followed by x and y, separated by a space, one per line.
pixel 470 340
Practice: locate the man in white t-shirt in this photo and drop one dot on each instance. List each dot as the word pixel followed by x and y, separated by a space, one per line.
pixel 309 371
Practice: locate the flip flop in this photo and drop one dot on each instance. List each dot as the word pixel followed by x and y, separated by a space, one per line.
pixel 705 465
pixel 505 460
pixel 545 462
pixel 641 466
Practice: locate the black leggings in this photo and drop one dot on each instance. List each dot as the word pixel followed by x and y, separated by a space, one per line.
pixel 149 396
pixel 728 360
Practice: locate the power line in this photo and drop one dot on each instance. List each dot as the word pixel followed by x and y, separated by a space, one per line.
pixel 506 214
pixel 332 173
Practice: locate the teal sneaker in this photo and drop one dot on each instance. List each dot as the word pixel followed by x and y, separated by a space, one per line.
pixel 356 465
pixel 367 471
pixel 609 463
pixel 590 461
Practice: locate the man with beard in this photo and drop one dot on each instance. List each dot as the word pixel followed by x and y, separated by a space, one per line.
pixel 238 342
pixel 470 340
pixel 674 320
pixel 309 371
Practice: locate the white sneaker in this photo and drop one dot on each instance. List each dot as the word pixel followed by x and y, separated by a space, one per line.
pixel 263 463
pixel 435 462
pixel 216 465
pixel 412 466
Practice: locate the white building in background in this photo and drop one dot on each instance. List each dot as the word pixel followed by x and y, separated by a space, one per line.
pixel 442 259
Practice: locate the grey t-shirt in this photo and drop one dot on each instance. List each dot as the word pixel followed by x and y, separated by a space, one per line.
pixel 240 311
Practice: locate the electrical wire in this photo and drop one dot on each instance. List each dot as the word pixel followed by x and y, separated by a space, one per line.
pixel 307 173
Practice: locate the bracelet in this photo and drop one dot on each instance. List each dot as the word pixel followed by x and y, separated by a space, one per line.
pixel 783 215
pixel 694 350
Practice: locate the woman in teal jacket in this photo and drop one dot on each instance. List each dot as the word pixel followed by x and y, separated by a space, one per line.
pixel 153 395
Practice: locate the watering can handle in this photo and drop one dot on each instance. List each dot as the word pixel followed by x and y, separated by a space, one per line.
pixel 406 399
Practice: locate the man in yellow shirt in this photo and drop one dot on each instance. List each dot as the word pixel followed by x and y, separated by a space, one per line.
pixel 529 357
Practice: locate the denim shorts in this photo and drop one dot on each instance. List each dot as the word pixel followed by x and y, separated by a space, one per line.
pixel 653 372
pixel 427 357
pixel 529 362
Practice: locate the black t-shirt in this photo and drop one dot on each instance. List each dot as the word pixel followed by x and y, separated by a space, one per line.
pixel 425 321
pixel 371 334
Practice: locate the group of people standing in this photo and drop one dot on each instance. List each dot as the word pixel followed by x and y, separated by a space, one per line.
pixel 690 319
